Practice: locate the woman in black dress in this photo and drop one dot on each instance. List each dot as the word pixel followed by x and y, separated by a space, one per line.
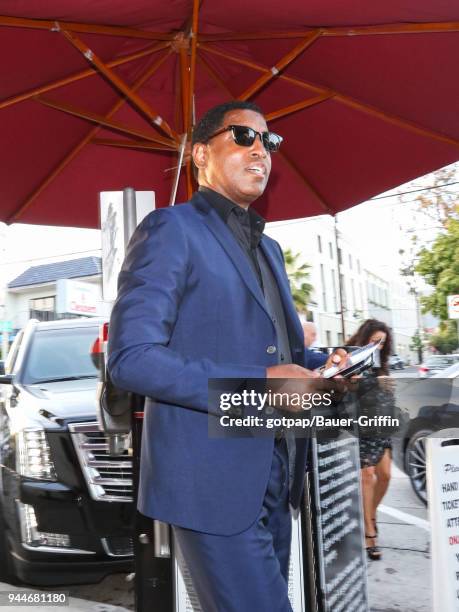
pixel 375 396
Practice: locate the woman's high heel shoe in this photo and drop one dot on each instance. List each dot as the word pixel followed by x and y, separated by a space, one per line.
pixel 373 552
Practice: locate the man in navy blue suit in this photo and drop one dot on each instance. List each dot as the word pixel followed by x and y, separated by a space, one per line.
pixel 203 293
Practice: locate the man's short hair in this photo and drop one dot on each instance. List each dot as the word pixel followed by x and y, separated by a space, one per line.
pixel 212 121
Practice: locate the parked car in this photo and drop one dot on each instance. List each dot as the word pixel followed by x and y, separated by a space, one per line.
pixel 396 362
pixel 436 363
pixel 65 511
pixel 426 406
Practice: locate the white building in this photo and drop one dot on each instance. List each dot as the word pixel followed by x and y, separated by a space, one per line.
pixel 314 238
pixel 365 291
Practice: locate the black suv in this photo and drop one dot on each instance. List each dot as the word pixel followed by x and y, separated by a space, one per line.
pixel 65 511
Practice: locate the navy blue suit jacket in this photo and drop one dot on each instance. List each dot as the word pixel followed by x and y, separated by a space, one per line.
pixel 189 308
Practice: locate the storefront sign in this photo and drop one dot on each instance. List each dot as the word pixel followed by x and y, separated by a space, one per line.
pixel 75 297
pixel 443 496
pixel 340 533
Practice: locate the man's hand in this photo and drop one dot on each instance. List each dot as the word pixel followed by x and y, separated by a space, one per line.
pixel 293 380
pixel 338 358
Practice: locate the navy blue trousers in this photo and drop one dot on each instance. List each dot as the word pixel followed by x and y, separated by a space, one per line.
pixel 246 572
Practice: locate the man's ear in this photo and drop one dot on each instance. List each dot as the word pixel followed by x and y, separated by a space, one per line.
pixel 200 154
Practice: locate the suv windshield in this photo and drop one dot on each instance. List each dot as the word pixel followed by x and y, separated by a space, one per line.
pixel 60 354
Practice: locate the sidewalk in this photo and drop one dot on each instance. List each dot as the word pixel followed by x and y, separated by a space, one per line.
pixel 401 580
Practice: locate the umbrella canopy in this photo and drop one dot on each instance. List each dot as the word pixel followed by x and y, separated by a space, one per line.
pixel 100 95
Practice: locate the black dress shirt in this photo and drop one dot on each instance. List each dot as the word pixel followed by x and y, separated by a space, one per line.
pixel 247 227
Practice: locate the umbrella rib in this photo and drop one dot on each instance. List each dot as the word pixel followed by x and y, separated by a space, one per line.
pixel 259 67
pixel 130 144
pixel 55 26
pixel 292 165
pixel 214 75
pixel 155 119
pixel 310 38
pixel 391 28
pixel 76 149
pixel 344 99
pixel 100 119
pixel 81 75
pixel 293 108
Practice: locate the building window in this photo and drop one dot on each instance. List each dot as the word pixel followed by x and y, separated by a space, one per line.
pixel 354 302
pixel 328 337
pixel 358 266
pixel 350 261
pixel 340 256
pixel 324 290
pixel 340 339
pixel 43 303
pixel 44 309
pixel 335 294
pixel 330 248
pixel 343 293
pixel 319 244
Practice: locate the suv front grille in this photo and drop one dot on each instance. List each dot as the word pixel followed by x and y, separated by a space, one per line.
pixel 109 477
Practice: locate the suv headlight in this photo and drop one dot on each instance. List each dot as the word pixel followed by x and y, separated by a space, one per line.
pixel 34 455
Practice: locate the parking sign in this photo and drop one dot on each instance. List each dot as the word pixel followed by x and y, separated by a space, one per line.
pixel 453 306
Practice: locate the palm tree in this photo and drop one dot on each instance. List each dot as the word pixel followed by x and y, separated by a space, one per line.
pixel 298 275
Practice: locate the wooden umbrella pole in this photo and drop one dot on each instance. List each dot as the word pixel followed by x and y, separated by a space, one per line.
pixel 147 74
pixel 193 50
pixel 281 64
pixel 74 26
pixel 81 75
pixel 155 119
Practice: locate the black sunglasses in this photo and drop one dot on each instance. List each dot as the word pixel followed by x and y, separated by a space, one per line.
pixel 245 137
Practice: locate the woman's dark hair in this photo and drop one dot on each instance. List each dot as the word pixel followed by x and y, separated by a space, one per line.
pixel 212 121
pixel 363 334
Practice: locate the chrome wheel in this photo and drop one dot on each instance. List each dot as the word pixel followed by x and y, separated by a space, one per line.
pixel 415 463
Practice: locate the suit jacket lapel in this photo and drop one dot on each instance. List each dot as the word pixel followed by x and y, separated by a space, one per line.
pixel 291 316
pixel 224 236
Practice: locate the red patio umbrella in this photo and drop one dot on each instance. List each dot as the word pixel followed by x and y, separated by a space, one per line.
pixel 102 94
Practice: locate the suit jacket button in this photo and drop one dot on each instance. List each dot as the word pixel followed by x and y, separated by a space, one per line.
pixel 271 349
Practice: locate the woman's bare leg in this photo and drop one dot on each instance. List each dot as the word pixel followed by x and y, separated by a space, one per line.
pixel 382 471
pixel 368 476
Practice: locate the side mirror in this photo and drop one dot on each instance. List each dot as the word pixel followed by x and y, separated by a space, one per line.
pixel 6 379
